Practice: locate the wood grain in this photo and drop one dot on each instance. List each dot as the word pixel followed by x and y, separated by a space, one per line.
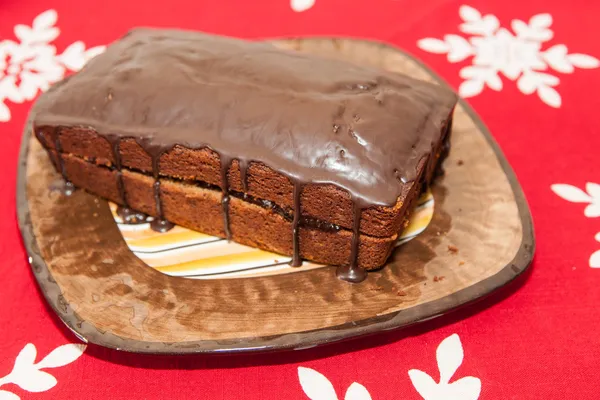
pixel 480 238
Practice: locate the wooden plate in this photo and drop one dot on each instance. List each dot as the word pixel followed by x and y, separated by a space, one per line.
pixel 108 296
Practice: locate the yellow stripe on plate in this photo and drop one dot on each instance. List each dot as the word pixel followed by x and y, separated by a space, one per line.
pixel 194 252
pixel 247 260
pixel 173 238
pixel 418 222
pixel 425 197
pixel 262 271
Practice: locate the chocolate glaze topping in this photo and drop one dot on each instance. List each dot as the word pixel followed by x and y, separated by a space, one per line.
pixel 312 119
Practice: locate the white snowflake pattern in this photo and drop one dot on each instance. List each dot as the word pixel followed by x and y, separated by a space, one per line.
pixel 301 5
pixel 32 64
pixel 517 55
pixel 28 375
pixel 317 387
pixel 449 357
pixel 591 196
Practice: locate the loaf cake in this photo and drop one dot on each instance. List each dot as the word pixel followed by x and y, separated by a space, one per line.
pixel 300 155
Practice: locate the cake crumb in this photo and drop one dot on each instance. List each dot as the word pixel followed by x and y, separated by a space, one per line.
pixel 438 278
pixel 452 249
pixel 460 162
pixel 377 288
pixel 461 263
pixel 108 261
pixel 401 293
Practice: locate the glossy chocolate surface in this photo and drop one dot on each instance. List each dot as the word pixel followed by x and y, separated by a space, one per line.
pixel 313 119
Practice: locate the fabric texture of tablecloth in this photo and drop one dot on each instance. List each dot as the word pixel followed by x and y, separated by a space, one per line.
pixel 529 69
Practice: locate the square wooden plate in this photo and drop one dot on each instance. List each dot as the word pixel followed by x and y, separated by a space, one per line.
pixel 108 296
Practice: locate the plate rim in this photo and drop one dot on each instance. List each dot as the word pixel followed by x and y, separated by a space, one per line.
pixel 307 339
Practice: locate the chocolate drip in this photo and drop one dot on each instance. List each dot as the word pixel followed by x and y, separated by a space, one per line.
pixel 40 137
pixel 131 217
pixel 157 200
pixel 55 186
pixel 243 174
pixel 159 224
pixel 68 187
pixel 296 260
pixel 128 215
pixel 225 163
pixel 58 147
pixel 121 187
pixel 352 272
pixel 115 143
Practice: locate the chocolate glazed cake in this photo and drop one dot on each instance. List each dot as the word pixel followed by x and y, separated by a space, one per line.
pixel 300 155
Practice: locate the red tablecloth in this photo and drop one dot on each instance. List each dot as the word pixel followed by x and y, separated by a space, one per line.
pixel 530 69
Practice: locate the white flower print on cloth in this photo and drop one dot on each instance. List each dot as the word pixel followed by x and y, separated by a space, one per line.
pixel 27 374
pixel 32 64
pixel 301 5
pixel 449 356
pixel 317 387
pixel 595 257
pixel 517 55
pixel 591 196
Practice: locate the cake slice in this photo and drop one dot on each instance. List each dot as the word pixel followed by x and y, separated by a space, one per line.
pixel 292 153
